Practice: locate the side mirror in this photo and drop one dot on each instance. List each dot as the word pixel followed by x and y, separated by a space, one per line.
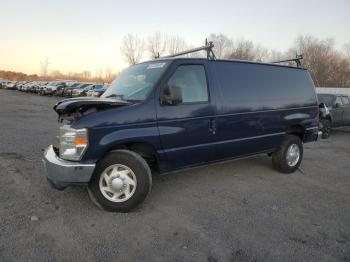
pixel 337 105
pixel 171 96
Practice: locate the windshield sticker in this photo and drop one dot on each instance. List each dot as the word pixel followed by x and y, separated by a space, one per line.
pixel 156 65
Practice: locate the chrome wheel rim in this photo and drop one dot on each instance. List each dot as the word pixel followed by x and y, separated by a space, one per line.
pixel 293 155
pixel 118 183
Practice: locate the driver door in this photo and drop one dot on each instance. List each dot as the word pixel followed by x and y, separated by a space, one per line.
pixel 337 112
pixel 346 110
pixel 187 128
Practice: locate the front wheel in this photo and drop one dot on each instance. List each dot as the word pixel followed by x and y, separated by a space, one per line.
pixel 121 181
pixel 288 156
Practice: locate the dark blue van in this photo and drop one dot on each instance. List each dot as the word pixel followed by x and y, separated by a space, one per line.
pixel 173 113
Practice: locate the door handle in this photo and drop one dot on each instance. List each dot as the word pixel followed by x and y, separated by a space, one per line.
pixel 212 126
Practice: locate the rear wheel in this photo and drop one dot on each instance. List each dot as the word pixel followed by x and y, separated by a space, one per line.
pixel 121 181
pixel 288 157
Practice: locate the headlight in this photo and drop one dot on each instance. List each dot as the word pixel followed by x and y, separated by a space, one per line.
pixel 72 143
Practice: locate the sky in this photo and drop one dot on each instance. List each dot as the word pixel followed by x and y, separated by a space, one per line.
pixel 78 35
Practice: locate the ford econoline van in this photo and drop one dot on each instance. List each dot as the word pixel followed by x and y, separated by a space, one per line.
pixel 173 113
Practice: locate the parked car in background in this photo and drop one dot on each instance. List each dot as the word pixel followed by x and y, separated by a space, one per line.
pixel 32 87
pixel 97 91
pixel 3 83
pixel 20 85
pixel 68 92
pixel 53 87
pixel 11 85
pixel 334 112
pixel 40 87
pixel 62 91
pixel 78 92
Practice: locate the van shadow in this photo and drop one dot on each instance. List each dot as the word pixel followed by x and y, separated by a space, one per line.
pixel 255 166
pixel 190 182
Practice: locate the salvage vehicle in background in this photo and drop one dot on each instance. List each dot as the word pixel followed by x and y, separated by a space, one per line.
pixel 40 87
pixel 83 90
pixel 173 113
pixel 97 91
pixel 3 83
pixel 11 85
pixel 53 87
pixel 76 88
pixel 62 91
pixel 334 112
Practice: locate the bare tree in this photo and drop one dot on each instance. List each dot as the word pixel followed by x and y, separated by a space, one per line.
pixel 262 54
pixel 347 50
pixel 327 66
pixel 109 76
pixel 274 55
pixel 108 72
pixel 175 44
pixel 132 49
pixel 243 49
pixel 44 66
pixel 86 74
pixel 222 45
pixel 156 44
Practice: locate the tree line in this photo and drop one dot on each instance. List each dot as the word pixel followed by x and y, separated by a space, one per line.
pixel 327 65
pixel 101 76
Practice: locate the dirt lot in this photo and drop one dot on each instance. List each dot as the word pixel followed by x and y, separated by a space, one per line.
pixel 237 211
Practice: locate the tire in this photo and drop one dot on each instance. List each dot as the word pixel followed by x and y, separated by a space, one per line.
pixel 288 156
pixel 120 182
pixel 326 127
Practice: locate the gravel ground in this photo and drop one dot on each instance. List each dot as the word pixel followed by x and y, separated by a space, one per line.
pixel 235 211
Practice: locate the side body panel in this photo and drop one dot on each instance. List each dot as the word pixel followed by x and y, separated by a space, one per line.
pixel 258 104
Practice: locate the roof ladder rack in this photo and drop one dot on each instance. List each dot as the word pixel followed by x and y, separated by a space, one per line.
pixel 297 60
pixel 207 47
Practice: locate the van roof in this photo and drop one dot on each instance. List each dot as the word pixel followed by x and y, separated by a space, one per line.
pixel 223 60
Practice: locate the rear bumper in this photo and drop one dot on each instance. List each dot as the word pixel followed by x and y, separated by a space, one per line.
pixel 62 173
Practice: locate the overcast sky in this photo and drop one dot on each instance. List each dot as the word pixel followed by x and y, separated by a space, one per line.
pixel 80 35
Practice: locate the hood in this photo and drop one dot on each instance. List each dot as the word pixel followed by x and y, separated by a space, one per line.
pixel 72 108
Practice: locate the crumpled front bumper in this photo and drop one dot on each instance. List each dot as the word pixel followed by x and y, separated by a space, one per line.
pixel 61 173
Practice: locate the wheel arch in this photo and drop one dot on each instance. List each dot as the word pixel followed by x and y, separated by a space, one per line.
pixel 297 130
pixel 146 150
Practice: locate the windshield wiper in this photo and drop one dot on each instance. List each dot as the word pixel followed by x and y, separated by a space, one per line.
pixel 114 95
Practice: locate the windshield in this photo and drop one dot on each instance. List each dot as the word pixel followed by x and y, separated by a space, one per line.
pixel 135 82
pixel 98 87
pixel 326 99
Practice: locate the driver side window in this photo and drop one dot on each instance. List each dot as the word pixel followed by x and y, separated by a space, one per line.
pixel 192 82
